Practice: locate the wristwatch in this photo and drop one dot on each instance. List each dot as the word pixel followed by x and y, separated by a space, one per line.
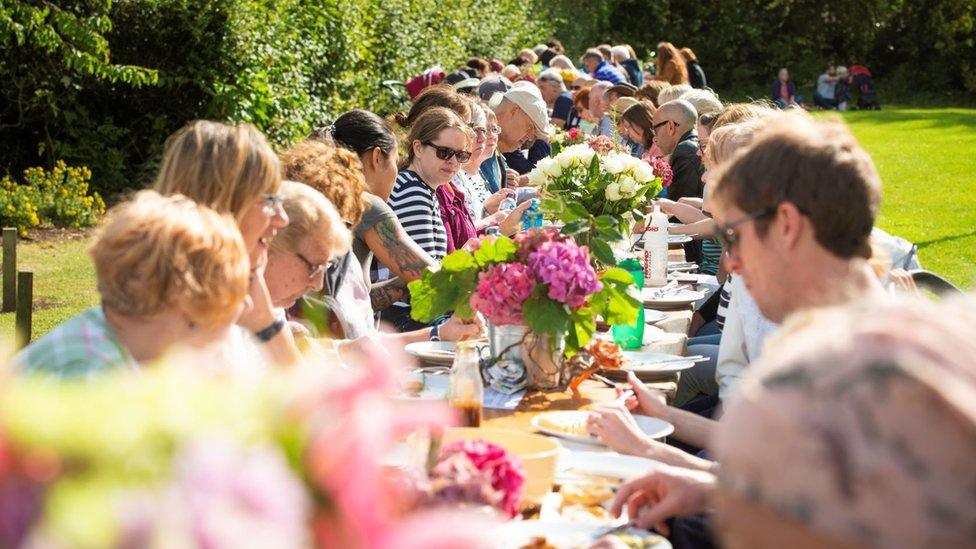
pixel 268 333
pixel 435 332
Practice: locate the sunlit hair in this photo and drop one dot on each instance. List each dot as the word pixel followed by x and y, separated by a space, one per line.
pixel 705 101
pixel 429 126
pixel 158 251
pixel 738 112
pixel 441 95
pixel 221 166
pixel 651 90
pixel 688 55
pixel 311 216
pixel 672 92
pixel 725 141
pixel 667 53
pixel 334 171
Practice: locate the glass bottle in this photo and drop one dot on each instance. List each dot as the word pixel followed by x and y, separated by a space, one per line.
pixel 467 388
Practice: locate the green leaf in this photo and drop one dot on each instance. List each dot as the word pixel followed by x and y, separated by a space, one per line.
pixel 618 302
pixel 543 315
pixel 605 222
pixel 601 250
pixel 581 328
pixel 501 250
pixel 577 209
pixel 458 260
pixel 552 205
pixel 575 227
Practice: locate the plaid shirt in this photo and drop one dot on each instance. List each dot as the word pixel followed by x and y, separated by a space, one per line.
pixel 82 347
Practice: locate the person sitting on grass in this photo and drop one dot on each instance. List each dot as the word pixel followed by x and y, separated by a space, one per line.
pixel 171 273
pixel 784 91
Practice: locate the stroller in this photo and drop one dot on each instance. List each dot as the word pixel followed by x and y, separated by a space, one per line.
pixel 863 82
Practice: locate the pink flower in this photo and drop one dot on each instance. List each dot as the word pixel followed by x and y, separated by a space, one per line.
pixel 566 268
pixel 662 169
pixel 529 241
pixel 602 144
pixel 573 133
pixel 501 292
pixel 503 469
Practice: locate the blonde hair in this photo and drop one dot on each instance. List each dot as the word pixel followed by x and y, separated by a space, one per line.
pixel 310 216
pixel 157 251
pixel 334 171
pixel 429 125
pixel 725 141
pixel 223 167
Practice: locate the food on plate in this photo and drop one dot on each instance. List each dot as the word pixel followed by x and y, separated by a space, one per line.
pixel 577 428
pixel 640 541
pixel 586 493
pixel 538 542
pixel 606 354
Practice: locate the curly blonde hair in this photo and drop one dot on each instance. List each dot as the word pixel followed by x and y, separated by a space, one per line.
pixel 334 171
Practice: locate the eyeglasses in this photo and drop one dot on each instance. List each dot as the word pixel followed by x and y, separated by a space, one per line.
pixel 313 270
pixel 658 125
pixel 729 238
pixel 702 145
pixel 495 130
pixel 272 203
pixel 478 130
pixel 447 153
pixel 576 87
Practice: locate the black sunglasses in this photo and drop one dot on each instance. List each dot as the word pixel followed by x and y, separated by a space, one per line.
pixel 447 153
pixel 725 232
pixel 654 127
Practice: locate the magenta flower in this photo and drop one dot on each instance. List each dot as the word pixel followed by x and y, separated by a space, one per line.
pixel 565 267
pixel 663 170
pixel 503 469
pixel 529 241
pixel 501 292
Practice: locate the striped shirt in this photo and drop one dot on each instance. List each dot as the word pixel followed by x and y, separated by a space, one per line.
pixel 416 206
pixel 724 297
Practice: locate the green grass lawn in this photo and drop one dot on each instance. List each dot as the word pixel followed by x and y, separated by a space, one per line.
pixel 927 160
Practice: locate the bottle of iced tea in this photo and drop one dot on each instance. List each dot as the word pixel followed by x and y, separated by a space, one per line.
pixel 467 389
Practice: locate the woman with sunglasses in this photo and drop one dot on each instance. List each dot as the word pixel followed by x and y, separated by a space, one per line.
pixel 233 170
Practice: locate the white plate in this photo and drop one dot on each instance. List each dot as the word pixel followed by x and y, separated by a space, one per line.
pixel 678 238
pixel 434 352
pixel 433 387
pixel 651 426
pixel 652 334
pixel 564 535
pixel 603 464
pixel 653 316
pixel 649 361
pixel 681 297
pixel 681 266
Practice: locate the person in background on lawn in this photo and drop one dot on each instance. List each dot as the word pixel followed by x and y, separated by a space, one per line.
pixel 171 273
pixel 784 91
pixel 233 170
pixel 671 66
pixel 826 84
pixel 696 76
pixel 599 68
pixel 621 57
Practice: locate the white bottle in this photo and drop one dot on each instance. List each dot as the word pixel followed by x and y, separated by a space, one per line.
pixel 656 249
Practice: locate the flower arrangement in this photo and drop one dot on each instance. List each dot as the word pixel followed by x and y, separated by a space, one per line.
pixel 566 138
pixel 662 169
pixel 542 279
pixel 476 472
pixel 596 192
pixel 178 458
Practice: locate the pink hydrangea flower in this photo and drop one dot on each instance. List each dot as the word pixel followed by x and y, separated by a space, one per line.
pixel 501 292
pixel 529 241
pixel 566 268
pixel 663 170
pixel 502 468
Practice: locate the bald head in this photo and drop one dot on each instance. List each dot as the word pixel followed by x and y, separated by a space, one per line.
pixel 598 106
pixel 681 112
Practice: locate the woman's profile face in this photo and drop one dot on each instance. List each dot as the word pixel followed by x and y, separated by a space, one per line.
pixel 259 225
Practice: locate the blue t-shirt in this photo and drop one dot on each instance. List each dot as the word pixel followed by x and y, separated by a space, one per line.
pixel 562 107
pixel 607 72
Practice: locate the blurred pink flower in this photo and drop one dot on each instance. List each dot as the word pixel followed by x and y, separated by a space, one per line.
pixel 662 169
pixel 504 469
pixel 566 268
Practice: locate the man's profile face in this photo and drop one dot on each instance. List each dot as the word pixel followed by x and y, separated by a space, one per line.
pixel 666 131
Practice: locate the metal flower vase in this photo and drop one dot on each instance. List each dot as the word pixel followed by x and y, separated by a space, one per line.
pixel 543 362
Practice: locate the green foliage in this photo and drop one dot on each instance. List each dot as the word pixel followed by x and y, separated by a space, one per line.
pixel 58 197
pixel 286 66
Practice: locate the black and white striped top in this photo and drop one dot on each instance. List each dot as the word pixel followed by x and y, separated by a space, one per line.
pixel 415 205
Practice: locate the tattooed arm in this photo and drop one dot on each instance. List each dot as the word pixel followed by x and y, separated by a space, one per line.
pixel 386 293
pixel 394 248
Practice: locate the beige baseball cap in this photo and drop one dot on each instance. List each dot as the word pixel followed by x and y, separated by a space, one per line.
pixel 528 98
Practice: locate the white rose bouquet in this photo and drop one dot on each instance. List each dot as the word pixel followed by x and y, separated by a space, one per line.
pixel 597 196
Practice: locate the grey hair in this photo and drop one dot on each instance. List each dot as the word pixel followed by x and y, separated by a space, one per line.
pixel 672 92
pixel 592 53
pixel 685 112
pixel 620 51
pixel 704 101
pixel 561 61
pixel 552 75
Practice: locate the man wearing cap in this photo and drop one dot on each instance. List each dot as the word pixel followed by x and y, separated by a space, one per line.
pixel 493 85
pixel 553 90
pixel 522 116
pixel 463 82
pixel 599 68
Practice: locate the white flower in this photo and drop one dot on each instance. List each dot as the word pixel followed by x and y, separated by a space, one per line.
pixel 643 172
pixel 614 163
pixel 549 167
pixel 568 157
pixel 628 187
pixel 537 178
pixel 613 192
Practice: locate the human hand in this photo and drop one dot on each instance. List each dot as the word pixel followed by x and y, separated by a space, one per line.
pixel 493 201
pixel 511 178
pixel 616 428
pixel 456 329
pixel 260 314
pixel 902 282
pixel 665 493
pixel 666 206
pixel 513 221
pixel 645 399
